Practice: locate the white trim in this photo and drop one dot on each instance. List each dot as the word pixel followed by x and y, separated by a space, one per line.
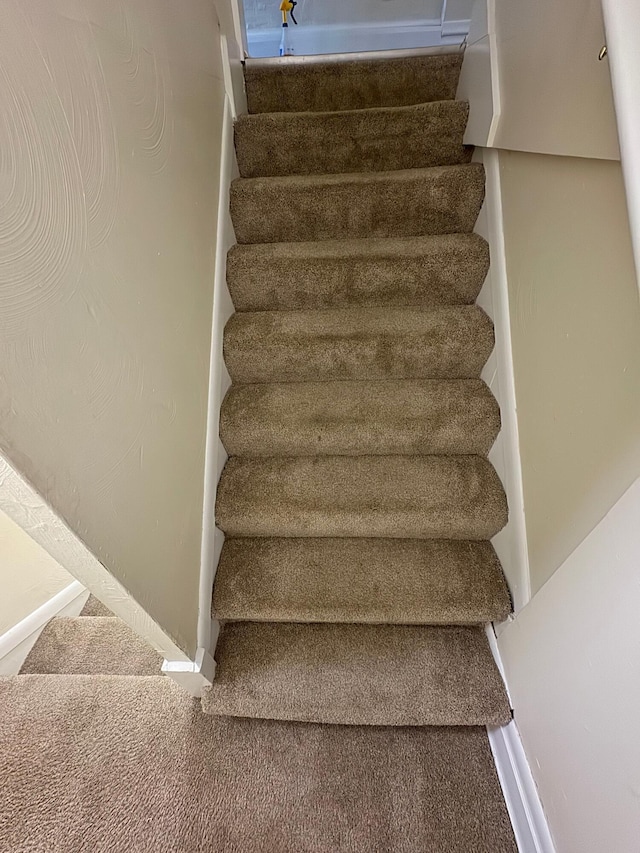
pixel 489 630
pixel 528 819
pixel 192 676
pixel 319 39
pixel 460 28
pixel 480 77
pixel 230 14
pixel 22 503
pixel 72 597
pixel 219 382
pixel 360 56
pixel 621 21
pixel 510 543
pixel 495 73
pixel 521 796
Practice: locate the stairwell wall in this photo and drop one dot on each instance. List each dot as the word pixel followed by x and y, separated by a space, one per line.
pixel 30 576
pixel 110 137
pixel 570 653
pixel 575 331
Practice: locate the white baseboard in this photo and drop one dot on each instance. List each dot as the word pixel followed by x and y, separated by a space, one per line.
pixel 520 793
pixel 219 381
pixel 527 816
pixel 356 38
pixel 192 676
pixel 18 641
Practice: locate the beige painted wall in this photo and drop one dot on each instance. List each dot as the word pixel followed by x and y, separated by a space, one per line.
pixel 575 326
pixel 29 577
pixel 555 95
pixel 572 665
pixel 110 124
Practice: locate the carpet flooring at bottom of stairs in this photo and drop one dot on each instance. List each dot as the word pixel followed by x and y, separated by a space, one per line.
pixel 113 763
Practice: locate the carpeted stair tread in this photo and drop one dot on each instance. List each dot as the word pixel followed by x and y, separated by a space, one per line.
pixel 399 675
pixel 321 85
pixel 91 645
pixel 396 271
pixel 440 497
pixel 130 764
pixel 411 202
pixel 94 607
pixel 392 581
pixel 307 143
pixel 424 416
pixel 450 342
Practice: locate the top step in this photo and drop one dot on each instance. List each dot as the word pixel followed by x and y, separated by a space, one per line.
pixel 326 85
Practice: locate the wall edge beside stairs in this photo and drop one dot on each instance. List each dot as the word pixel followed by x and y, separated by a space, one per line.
pixel 196 674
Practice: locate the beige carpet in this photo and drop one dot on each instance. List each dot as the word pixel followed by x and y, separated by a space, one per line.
pixel 449 342
pixel 353 141
pixel 94 607
pixel 105 764
pixel 384 581
pixel 100 645
pixel 399 675
pixel 444 269
pixel 358 502
pixel 440 497
pixel 318 85
pixel 410 416
pixel 413 202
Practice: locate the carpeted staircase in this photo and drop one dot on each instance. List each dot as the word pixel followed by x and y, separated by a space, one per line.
pixel 357 502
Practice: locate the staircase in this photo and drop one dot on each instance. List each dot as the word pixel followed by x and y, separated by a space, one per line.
pixel 357 501
pixel 358 506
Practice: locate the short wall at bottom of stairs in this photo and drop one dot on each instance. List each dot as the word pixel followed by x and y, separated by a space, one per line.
pixel 357 38
pixel 17 642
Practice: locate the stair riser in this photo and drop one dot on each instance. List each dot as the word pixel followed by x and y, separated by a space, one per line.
pixel 349 581
pixel 390 497
pixel 322 86
pixel 276 277
pixel 443 200
pixel 449 344
pixel 357 675
pixel 356 419
pixel 326 143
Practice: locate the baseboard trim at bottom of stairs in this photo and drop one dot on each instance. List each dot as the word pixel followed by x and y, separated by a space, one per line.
pixel 18 641
pixel 192 676
pixel 520 793
pixel 527 816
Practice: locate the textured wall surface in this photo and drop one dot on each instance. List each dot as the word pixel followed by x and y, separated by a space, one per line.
pixel 110 122
pixel 29 576
pixel 575 329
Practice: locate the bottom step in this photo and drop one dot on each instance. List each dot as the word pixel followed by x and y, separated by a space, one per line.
pixel 399 675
